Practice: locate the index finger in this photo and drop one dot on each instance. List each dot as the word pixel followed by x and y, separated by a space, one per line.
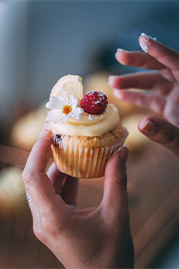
pixel 36 180
pixel 39 156
pixel 165 55
pixel 36 165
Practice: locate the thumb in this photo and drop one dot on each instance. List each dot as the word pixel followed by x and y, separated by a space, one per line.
pixel 115 199
pixel 160 131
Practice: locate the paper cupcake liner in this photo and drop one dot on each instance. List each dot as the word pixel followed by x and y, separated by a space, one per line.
pixel 82 162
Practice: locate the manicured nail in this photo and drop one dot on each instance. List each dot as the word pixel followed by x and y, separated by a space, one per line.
pixel 147 127
pixel 124 152
pixel 145 41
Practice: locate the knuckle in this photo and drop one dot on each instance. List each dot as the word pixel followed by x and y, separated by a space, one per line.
pixel 39 232
pixel 121 179
pixel 48 224
pixel 167 136
pixel 26 176
pixel 45 229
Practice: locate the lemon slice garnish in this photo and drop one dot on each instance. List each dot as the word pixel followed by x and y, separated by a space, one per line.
pixel 71 84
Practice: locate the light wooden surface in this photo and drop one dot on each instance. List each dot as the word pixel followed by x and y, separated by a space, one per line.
pixel 153 187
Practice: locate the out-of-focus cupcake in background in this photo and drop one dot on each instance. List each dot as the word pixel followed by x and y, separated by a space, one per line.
pixel 26 129
pixel 12 193
pixel 136 141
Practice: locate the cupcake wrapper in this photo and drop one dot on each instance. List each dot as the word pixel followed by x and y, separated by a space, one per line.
pixel 82 162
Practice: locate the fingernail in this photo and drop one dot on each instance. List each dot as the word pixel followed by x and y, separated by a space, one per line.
pixel 117 93
pixel 144 41
pixel 119 50
pixel 124 152
pixel 147 127
pixel 44 129
pixel 46 126
pixel 110 79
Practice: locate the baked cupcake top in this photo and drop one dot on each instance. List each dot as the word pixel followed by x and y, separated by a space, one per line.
pixel 77 115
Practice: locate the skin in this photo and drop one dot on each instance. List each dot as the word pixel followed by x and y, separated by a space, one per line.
pixel 160 89
pixel 91 238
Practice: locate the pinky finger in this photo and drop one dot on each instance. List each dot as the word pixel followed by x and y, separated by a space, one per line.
pixel 142 99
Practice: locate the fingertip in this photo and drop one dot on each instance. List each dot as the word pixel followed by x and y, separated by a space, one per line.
pixel 116 164
pixel 45 136
pixel 120 51
pixel 45 131
pixel 145 41
pixel 116 82
pixel 121 55
pixel 146 125
pixel 111 80
pixel 123 153
pixel 117 93
pixel 40 152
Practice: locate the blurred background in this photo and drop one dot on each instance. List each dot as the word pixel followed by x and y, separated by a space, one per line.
pixel 40 41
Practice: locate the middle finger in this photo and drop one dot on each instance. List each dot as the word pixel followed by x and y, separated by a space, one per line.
pixel 146 81
pixel 56 177
pixel 142 60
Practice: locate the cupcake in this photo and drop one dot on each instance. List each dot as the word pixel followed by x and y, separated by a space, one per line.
pixel 86 129
pixel 26 129
pixel 136 141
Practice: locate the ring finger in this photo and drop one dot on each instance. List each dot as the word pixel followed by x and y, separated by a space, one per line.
pixel 141 99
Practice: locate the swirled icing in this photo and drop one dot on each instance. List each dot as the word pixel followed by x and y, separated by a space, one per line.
pixel 99 125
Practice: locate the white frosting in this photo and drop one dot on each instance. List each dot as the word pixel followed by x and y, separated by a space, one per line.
pixel 100 124
pixel 89 118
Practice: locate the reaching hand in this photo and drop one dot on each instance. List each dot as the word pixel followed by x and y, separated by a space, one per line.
pixel 161 89
pixel 90 238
